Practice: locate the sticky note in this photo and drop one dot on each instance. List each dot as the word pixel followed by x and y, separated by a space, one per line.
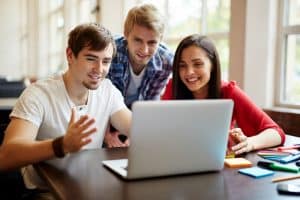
pixel 290 158
pixel 237 162
pixel 256 172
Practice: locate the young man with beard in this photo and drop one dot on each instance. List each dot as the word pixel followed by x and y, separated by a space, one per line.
pixel 68 112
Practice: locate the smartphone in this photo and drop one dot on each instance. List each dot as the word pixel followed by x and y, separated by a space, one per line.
pixel 287 188
pixel 80 110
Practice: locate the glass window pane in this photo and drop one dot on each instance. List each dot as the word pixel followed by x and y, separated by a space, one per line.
pixel 222 46
pixel 56 42
pixel 173 43
pixel 84 13
pixel 184 18
pixel 95 11
pixel 293 12
pixel 55 4
pixel 88 11
pixel 56 32
pixel 56 63
pixel 292 70
pixel 218 15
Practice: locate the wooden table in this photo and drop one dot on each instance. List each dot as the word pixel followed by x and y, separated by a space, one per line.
pixel 83 177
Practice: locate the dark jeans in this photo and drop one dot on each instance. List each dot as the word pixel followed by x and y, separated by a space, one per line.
pixel 13 188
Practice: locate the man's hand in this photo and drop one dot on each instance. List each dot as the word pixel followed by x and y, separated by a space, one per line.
pixel 78 132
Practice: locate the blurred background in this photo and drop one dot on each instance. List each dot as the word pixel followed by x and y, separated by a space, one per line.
pixel 258 41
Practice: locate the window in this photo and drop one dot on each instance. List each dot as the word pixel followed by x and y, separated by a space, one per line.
pixel 289 54
pixel 185 17
pixel 84 11
pixel 48 37
pixel 88 11
pixel 56 36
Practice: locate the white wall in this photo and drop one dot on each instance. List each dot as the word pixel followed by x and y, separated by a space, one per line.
pixel 10 49
pixel 260 49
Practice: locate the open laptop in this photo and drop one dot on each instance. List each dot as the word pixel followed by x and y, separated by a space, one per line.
pixel 175 137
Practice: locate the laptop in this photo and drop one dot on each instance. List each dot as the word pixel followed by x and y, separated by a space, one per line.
pixel 175 137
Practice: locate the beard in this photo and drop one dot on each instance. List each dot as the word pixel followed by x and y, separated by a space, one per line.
pixel 92 86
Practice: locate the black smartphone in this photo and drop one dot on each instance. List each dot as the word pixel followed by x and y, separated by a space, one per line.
pixel 287 188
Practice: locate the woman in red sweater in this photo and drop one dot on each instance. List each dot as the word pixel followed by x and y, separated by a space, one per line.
pixel 197 75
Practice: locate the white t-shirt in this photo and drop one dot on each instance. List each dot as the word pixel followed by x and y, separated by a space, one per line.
pixel 135 81
pixel 46 104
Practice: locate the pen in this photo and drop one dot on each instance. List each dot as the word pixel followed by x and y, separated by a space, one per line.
pixel 289 147
pixel 285 178
pixel 277 167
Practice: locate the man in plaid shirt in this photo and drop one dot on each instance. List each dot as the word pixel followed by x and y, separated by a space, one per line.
pixel 143 65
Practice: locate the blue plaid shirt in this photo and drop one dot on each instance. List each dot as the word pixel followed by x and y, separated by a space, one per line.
pixel 156 75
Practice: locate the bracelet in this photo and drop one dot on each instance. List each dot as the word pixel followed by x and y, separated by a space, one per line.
pixel 57 146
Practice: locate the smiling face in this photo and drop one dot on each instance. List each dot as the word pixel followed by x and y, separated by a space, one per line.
pixel 90 67
pixel 142 45
pixel 195 70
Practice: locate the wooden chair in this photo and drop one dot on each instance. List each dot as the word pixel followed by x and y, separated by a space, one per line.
pixel 288 120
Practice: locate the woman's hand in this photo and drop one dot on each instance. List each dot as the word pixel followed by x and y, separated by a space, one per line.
pixel 241 143
pixel 112 139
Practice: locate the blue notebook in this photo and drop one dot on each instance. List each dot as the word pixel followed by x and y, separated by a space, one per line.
pixel 290 158
pixel 256 172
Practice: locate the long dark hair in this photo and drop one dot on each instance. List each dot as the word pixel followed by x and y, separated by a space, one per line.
pixel 180 91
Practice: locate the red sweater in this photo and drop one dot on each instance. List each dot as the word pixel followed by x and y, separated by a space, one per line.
pixel 246 115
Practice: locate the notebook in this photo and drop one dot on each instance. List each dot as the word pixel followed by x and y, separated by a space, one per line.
pixel 256 172
pixel 175 137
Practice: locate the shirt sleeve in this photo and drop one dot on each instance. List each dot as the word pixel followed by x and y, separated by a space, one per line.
pixel 249 117
pixel 161 70
pixel 117 100
pixel 156 86
pixel 29 107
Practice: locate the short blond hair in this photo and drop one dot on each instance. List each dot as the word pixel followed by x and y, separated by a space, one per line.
pixel 146 15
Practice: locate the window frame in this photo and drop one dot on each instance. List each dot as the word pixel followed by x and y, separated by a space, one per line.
pixel 284 30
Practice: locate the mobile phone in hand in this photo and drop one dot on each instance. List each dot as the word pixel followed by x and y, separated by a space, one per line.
pixel 288 188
